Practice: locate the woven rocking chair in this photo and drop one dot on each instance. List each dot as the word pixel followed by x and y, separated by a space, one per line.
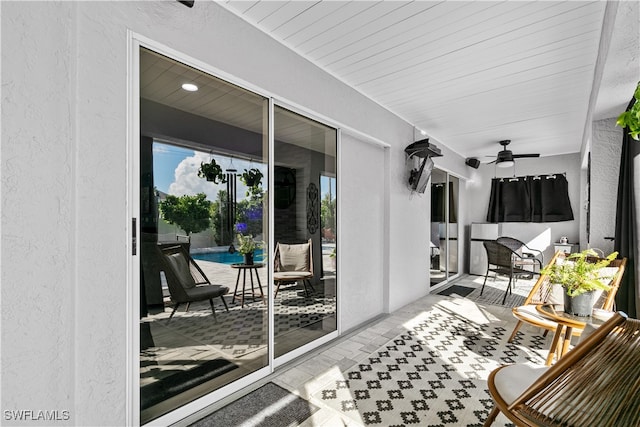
pixel 595 384
pixel 543 292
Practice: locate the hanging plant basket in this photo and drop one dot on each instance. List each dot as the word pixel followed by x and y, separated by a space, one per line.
pixel 251 177
pixel 212 172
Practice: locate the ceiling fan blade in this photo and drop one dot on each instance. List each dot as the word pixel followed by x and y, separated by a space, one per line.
pixel 505 156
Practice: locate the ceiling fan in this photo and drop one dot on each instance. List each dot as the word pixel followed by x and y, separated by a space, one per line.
pixel 505 157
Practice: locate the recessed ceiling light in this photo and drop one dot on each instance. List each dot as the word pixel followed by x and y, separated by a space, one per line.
pixel 189 87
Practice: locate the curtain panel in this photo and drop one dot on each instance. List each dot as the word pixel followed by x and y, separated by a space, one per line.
pixel 535 198
pixel 627 239
pixel 438 205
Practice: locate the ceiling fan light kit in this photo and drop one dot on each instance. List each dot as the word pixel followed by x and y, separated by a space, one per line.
pixel 505 163
pixel 505 158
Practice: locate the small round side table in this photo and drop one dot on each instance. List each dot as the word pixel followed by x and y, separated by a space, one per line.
pixel 564 331
pixel 253 269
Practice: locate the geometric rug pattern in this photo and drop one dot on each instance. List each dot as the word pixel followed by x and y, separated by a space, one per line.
pixel 432 374
pixel 495 296
pixel 494 290
pixel 196 336
pixel 242 330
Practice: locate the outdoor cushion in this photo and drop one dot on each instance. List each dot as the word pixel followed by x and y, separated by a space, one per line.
pixel 181 269
pixel 294 257
pixel 513 380
pixel 294 275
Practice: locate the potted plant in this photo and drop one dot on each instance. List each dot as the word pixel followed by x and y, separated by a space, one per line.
pixel 212 172
pixel 252 178
pixel 246 246
pixel 631 119
pixel 580 275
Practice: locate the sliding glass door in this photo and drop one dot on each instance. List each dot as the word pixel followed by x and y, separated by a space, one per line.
pixel 203 185
pixel 443 263
pixel 212 297
pixel 304 230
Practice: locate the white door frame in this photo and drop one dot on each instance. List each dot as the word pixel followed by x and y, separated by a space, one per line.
pixel 134 43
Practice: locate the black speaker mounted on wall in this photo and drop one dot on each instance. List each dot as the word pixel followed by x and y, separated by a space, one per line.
pixel 473 162
pixel 188 3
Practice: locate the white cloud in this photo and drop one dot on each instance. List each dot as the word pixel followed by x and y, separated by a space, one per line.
pixel 187 181
pixel 159 148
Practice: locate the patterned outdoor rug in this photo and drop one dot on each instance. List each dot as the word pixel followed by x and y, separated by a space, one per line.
pixel 242 330
pixel 433 374
pixel 493 293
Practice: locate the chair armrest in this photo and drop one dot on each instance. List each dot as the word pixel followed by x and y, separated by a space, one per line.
pixel 534 252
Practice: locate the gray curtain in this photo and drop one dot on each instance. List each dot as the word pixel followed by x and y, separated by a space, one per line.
pixel 628 224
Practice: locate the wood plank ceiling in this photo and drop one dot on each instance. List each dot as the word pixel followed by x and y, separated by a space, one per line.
pixel 467 73
pixel 161 80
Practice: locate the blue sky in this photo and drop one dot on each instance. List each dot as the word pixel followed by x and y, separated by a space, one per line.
pixel 175 172
pixel 166 159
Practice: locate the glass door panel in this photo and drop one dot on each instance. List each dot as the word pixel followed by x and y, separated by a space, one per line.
pixel 203 163
pixel 438 244
pixel 304 230
pixel 452 237
pixel 444 227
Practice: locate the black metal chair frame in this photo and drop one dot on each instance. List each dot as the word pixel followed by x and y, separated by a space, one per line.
pixel 531 257
pixel 202 288
pixel 505 262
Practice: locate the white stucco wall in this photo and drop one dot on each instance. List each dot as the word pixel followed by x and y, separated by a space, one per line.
pixel 409 236
pixel 362 237
pixel 39 209
pixel 478 189
pixel 65 196
pixel 606 148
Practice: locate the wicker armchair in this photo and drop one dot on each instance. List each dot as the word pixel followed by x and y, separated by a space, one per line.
pixel 595 384
pixel 527 257
pixel 544 292
pixel 503 260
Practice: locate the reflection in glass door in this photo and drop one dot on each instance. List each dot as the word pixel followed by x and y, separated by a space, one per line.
pixel 443 262
pixel 203 185
pixel 304 230
pixel 328 224
pixel 205 192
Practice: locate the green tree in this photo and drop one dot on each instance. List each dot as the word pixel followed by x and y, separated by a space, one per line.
pixel 328 212
pixel 190 213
